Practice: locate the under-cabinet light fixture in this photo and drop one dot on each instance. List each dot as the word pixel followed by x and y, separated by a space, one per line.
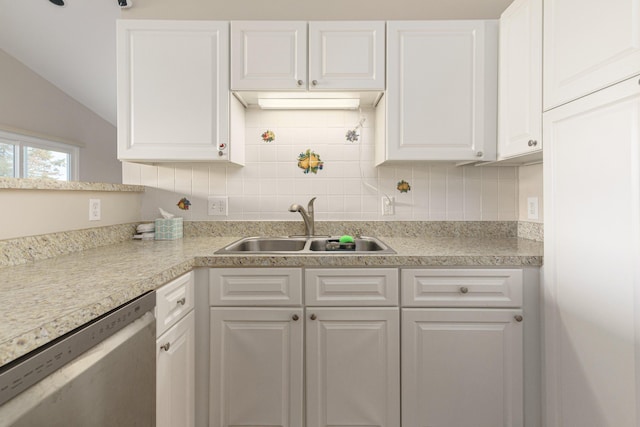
pixel 309 103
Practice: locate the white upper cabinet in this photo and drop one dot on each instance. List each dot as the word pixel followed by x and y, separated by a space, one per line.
pixel 268 55
pixel 588 46
pixel 275 55
pixel 441 92
pixel 520 80
pixel 346 55
pixel 173 92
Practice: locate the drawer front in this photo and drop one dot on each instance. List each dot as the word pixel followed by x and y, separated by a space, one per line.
pixel 258 286
pixel 351 287
pixel 462 288
pixel 173 301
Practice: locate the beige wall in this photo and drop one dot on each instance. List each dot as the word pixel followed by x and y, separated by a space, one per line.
pixel 315 10
pixel 31 103
pixel 530 185
pixel 35 212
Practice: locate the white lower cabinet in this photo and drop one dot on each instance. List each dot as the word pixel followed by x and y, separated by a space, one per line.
pixel 352 371
pixel 462 359
pixel 352 367
pixel 175 354
pixel 461 367
pixel 335 354
pixel 256 367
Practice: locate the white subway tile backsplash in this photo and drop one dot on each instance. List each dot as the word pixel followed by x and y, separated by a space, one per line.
pixel 349 187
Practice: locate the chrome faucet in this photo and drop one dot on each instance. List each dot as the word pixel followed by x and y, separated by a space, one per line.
pixel 307 216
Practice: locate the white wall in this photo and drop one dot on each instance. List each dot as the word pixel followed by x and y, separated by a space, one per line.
pixel 271 180
pixel 31 103
pixel 530 185
pixel 35 212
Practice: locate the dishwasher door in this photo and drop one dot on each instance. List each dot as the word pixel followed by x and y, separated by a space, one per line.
pixel 112 384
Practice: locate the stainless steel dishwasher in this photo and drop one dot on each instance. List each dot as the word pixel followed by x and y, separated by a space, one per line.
pixel 102 374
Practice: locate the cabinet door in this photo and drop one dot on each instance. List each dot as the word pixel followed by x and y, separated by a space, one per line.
pixel 256 367
pixel 269 55
pixel 175 382
pixel 591 253
pixel 441 90
pixel 520 79
pixel 462 368
pixel 588 46
pixel 346 55
pixel 173 90
pixel 353 367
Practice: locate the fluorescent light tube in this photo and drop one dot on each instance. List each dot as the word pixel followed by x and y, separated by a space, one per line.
pixel 309 103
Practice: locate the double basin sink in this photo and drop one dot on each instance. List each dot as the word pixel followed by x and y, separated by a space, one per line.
pixel 306 245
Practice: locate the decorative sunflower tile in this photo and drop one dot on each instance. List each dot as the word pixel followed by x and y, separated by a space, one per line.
pixel 310 162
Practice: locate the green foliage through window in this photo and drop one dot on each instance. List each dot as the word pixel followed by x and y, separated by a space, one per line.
pixel 30 157
pixel 7 156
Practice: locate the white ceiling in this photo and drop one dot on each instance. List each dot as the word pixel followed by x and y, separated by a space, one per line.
pixel 72 46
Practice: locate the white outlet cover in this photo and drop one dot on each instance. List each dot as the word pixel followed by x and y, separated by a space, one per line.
pixel 532 208
pixel 218 206
pixel 94 210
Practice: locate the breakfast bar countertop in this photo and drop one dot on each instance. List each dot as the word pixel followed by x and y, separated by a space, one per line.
pixel 45 299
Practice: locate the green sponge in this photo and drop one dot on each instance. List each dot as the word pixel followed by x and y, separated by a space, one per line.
pixel 346 239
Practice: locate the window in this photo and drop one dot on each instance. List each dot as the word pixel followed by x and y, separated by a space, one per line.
pixel 29 157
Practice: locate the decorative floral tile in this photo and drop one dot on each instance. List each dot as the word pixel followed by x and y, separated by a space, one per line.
pixel 310 162
pixel 403 186
pixel 184 204
pixel 352 136
pixel 268 136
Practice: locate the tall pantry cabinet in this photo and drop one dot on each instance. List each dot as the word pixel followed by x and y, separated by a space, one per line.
pixel 591 133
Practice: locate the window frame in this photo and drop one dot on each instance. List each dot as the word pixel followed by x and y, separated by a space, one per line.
pixel 21 142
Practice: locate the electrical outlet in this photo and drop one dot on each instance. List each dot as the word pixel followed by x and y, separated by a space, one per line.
pixel 218 206
pixel 388 206
pixel 94 210
pixel 532 208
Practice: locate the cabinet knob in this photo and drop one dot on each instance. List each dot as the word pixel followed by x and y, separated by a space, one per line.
pixel 295 317
pixel 479 154
pixel 300 82
pixel 313 317
pixel 314 82
pixel 532 143
pixel 464 290
pixel 182 301
pixel 166 346
pixel 518 318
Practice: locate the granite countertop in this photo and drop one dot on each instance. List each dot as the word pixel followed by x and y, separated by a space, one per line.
pixel 45 299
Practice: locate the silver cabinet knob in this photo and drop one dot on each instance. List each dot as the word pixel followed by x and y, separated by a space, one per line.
pixel 532 143
pixel 295 317
pixel 479 154
pixel 464 290
pixel 166 346
pixel 314 82
pixel 300 82
pixel 182 301
pixel 313 317
pixel 518 318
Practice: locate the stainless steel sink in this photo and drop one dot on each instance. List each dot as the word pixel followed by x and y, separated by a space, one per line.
pixel 266 244
pixel 305 245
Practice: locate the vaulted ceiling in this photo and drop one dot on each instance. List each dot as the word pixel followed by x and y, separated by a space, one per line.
pixel 72 46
